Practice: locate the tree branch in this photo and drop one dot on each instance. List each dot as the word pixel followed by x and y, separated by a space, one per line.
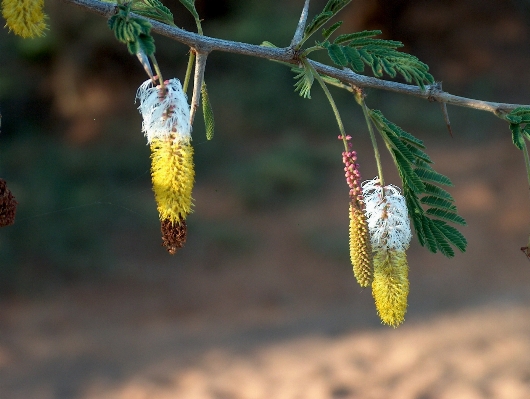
pixel 200 66
pixel 299 34
pixel 205 44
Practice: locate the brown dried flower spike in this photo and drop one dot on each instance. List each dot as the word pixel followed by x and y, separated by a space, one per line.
pixel 173 235
pixel 8 205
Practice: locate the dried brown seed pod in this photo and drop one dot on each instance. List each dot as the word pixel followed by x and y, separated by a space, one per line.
pixel 173 235
pixel 8 205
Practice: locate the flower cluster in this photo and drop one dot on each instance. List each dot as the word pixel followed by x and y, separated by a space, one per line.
pixel 165 112
pixel 390 233
pixel 24 17
pixel 360 247
pixel 390 287
pixel 351 172
pixel 387 215
pixel 172 173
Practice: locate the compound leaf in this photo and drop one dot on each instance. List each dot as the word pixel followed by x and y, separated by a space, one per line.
pixel 336 55
pixel 446 215
pixel 326 33
pixel 453 235
pixel 304 82
pixel 433 176
pixel 348 37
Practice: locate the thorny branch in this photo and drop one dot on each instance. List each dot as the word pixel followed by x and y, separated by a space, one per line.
pixel 205 44
pixel 298 35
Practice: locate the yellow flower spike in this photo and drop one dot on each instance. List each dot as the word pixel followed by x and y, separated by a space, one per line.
pixel 173 175
pixel 360 241
pixel 390 287
pixel 24 17
pixel 360 247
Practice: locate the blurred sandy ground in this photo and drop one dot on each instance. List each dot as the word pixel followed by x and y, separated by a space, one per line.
pixel 273 311
pixel 286 321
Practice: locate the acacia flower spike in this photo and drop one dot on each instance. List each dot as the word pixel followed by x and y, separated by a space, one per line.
pixel 351 172
pixel 390 233
pixel 164 114
pixel 25 17
pixel 173 174
pixel 387 216
pixel 390 287
pixel 360 246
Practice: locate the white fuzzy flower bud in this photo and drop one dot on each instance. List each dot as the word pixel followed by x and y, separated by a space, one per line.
pixel 164 115
pixel 387 215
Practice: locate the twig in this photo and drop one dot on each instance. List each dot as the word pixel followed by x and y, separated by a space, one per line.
pixel 200 65
pixel 207 44
pixel 191 61
pixel 299 34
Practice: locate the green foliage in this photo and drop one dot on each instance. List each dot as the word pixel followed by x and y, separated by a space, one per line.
pixel 317 22
pixel 153 9
pixel 432 176
pixel 517 136
pixel 330 10
pixel 519 120
pixel 359 48
pixel 334 6
pixel 353 57
pixel 438 203
pixel 190 5
pixel 207 112
pixel 144 43
pixel 135 32
pixel 329 31
pixel 337 55
pixel 420 188
pixel 305 81
pixel 348 37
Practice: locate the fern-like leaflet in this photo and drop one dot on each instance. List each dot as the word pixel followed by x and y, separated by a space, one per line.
pixel 360 48
pixel 304 82
pixel 330 10
pixel 519 120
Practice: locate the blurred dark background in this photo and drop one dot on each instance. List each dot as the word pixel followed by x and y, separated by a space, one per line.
pixel 269 231
pixel 73 153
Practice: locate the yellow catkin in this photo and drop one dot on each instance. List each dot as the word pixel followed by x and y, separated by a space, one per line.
pixel 390 287
pixel 24 17
pixel 173 176
pixel 360 247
